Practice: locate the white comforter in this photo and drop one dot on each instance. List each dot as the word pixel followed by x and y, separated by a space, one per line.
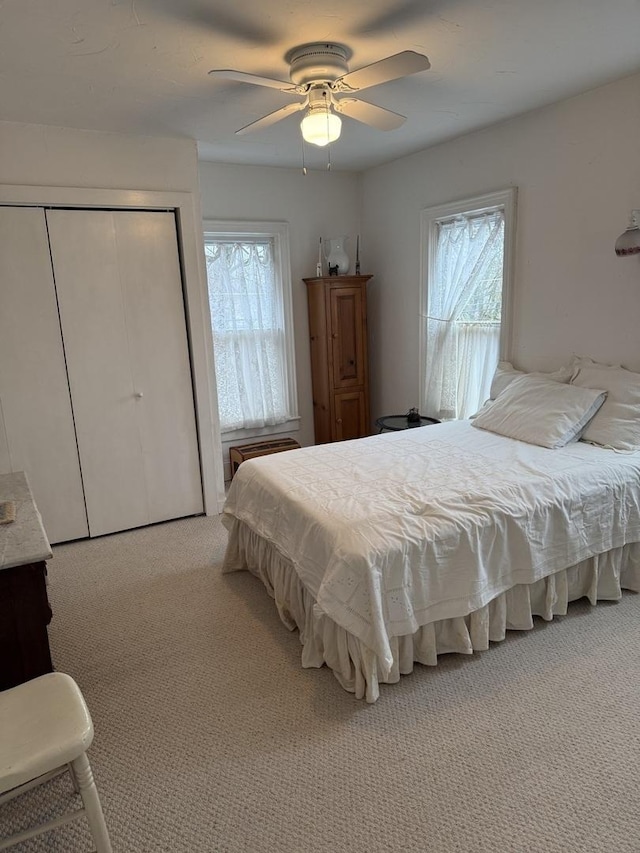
pixel 398 530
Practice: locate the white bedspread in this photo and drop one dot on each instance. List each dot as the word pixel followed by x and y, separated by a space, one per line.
pixel 398 530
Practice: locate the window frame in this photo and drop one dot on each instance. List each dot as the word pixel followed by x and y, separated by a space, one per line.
pixel 279 232
pixel 430 217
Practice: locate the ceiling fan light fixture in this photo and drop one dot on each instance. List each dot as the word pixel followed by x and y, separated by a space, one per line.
pixel 319 72
pixel 320 127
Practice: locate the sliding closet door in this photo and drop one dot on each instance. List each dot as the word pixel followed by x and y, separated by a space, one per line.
pixel 122 314
pixel 36 423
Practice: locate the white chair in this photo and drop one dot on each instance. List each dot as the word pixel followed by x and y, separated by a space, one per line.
pixel 45 730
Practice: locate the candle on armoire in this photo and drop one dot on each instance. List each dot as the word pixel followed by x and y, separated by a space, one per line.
pixel 358 255
pixel 319 264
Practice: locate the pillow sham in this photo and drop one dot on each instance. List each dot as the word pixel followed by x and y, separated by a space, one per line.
pixel 617 423
pixel 541 411
pixel 506 373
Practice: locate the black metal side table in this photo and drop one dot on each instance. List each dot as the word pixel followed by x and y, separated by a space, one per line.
pixel 393 423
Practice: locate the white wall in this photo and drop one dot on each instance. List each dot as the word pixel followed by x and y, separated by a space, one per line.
pixel 35 158
pixel 39 155
pixel 577 170
pixel 319 204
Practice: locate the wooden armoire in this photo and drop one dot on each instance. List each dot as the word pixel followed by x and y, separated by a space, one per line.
pixel 339 368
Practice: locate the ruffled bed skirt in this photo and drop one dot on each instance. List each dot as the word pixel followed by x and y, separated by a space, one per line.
pixel 357 668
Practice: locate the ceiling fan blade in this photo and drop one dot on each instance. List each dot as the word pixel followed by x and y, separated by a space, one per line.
pixel 243 77
pixel 368 113
pixel 272 118
pixel 399 65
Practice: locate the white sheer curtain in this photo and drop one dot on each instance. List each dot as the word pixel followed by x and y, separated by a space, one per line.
pixel 247 319
pixel 463 314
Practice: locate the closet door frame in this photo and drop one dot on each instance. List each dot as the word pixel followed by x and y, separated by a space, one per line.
pixel 191 249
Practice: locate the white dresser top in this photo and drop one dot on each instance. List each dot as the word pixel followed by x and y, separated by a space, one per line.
pixel 23 540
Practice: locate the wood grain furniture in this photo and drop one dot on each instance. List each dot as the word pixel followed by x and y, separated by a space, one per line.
pixel 339 361
pixel 46 730
pixel 240 453
pixel 95 378
pixel 24 605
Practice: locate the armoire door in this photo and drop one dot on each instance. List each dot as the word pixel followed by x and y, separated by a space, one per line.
pixel 351 415
pixel 119 289
pixel 347 336
pixel 36 423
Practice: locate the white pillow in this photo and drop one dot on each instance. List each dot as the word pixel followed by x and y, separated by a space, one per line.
pixel 540 411
pixel 617 424
pixel 506 373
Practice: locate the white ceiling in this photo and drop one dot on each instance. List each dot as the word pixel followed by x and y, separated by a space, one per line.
pixel 140 66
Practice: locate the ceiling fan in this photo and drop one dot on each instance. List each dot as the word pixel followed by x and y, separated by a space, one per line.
pixel 319 72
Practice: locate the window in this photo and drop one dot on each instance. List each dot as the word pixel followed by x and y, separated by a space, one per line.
pixel 467 260
pixel 251 320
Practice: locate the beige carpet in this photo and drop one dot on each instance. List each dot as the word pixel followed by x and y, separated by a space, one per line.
pixel 211 737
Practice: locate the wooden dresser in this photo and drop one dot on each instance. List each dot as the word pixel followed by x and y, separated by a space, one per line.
pixel 339 366
pixel 24 605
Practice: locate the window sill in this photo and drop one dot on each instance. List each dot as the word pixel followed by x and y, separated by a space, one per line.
pixel 243 434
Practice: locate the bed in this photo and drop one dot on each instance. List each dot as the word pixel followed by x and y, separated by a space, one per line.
pixel 394 549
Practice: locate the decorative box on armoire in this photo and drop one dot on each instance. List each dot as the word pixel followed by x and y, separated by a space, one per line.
pixel 339 369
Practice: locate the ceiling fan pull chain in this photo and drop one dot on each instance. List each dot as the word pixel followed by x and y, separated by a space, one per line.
pixel 304 168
